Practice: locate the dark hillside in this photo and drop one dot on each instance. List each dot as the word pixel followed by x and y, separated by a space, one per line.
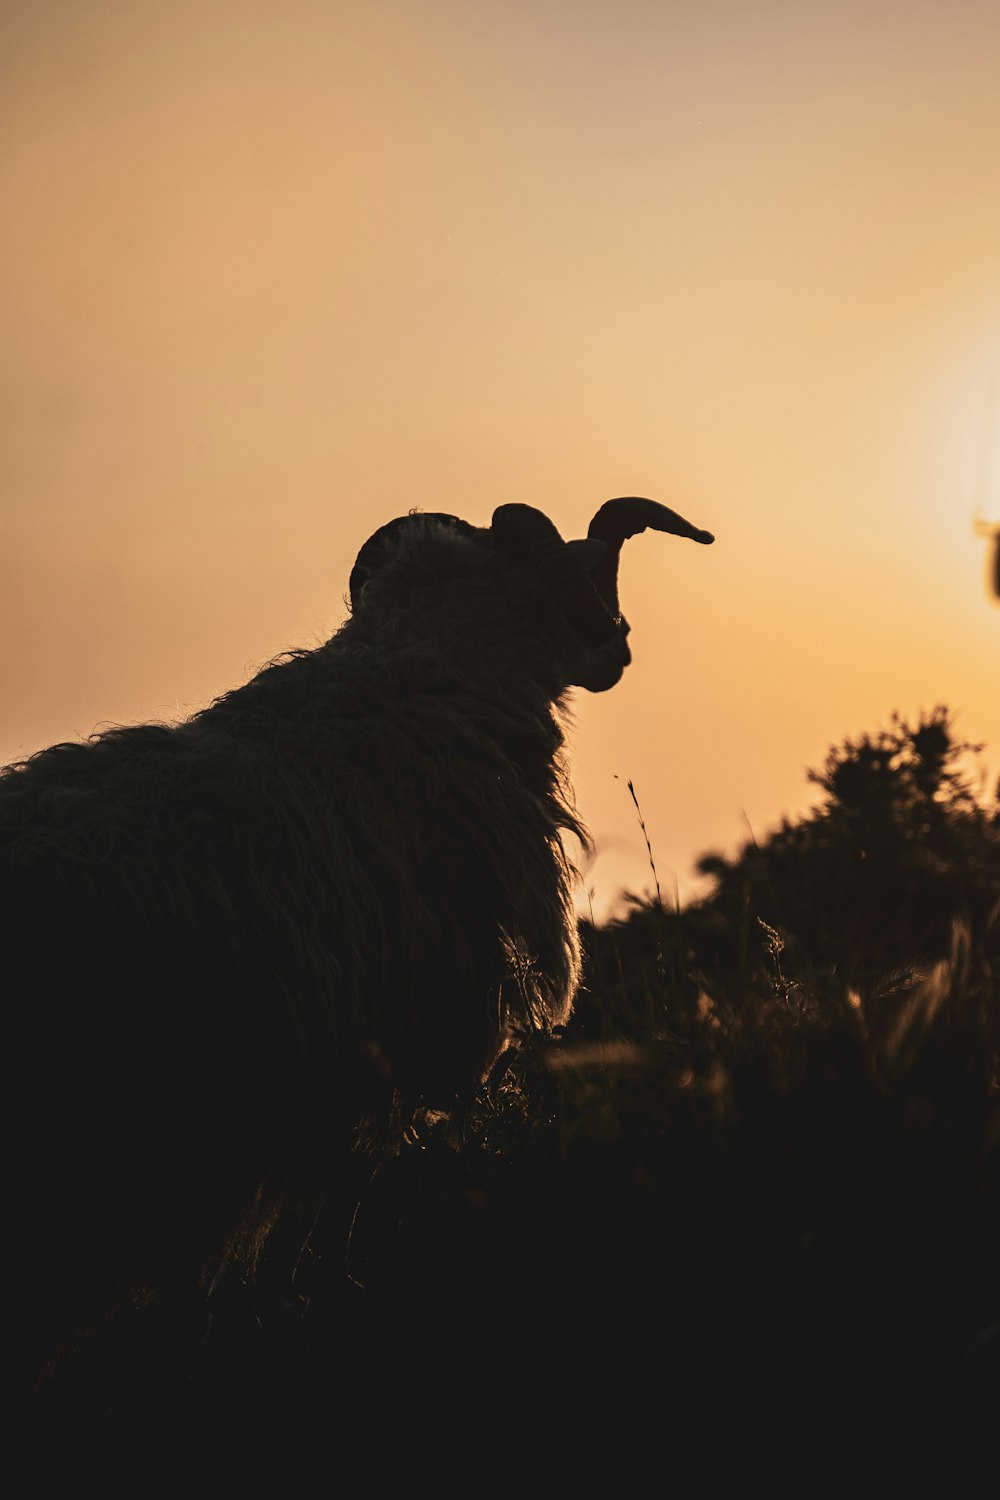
pixel 765 1150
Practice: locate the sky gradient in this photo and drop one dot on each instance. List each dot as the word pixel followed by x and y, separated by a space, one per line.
pixel 273 274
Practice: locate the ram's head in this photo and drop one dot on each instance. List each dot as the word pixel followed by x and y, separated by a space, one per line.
pixel 578 579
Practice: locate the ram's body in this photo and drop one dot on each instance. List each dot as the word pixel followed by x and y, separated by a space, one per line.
pixel 227 939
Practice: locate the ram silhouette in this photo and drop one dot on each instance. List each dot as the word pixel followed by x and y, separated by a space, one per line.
pixel 341 884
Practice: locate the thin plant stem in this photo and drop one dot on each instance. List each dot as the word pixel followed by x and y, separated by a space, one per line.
pixel 649 848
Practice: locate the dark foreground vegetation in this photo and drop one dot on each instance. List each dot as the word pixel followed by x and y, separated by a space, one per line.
pixel 762 1158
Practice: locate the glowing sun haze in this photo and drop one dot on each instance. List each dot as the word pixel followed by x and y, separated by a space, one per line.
pixel 273 274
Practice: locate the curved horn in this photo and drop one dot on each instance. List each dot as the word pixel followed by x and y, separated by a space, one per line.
pixel 372 554
pixel 627 516
pixel 567 567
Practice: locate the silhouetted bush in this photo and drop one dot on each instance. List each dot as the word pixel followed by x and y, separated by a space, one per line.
pixel 868 886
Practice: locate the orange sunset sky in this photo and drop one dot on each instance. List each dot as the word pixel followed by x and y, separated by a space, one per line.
pixel 272 273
